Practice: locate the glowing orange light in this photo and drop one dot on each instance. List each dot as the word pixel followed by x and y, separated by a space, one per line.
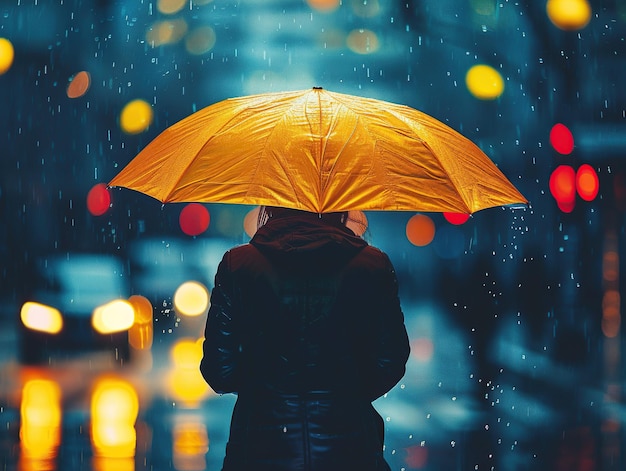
pixel 324 5
pixel 166 32
pixel 456 218
pixel 484 82
pixel 190 443
pixel 7 53
pixel 562 139
pixel 136 117
pixel 362 41
pixel 114 410
pixel 569 15
pixel 563 187
pixel 98 199
pixel 40 412
pixel 79 84
pixel 420 230
pixel 115 316
pixel 194 219
pixel 140 335
pixel 587 182
pixel 40 317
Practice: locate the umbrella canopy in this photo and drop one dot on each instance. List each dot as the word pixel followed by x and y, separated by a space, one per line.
pixel 318 151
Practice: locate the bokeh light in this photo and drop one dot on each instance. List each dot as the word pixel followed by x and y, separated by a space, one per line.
pixel 569 15
pixel 114 410
pixel 40 424
pixel 185 380
pixel 136 116
pixel 484 7
pixel 79 84
pixel 200 40
pixel 194 219
pixel 563 187
pixel 166 32
pixel 420 230
pixel 587 182
pixel 191 299
pixel 115 316
pixel 362 41
pixel 40 317
pixel 562 139
pixel 98 199
pixel 169 7
pixel 190 444
pixel 324 5
pixel 250 221
pixel 7 54
pixel 456 218
pixel 484 82
pixel 140 335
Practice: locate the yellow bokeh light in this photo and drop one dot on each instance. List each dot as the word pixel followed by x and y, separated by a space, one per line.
pixel 166 32
pixel 40 317
pixel 186 353
pixel 185 381
pixel 7 54
pixel 190 444
pixel 484 82
pixel 484 7
pixel 363 41
pixel 420 230
pixel 141 333
pixel 200 41
pixel 569 15
pixel 191 299
pixel 115 316
pixel 169 7
pixel 114 410
pixel 40 424
pixel 136 116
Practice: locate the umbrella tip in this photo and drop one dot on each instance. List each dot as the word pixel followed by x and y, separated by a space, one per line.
pixel 318 88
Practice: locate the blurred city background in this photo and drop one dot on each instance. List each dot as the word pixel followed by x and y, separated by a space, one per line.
pixel 514 314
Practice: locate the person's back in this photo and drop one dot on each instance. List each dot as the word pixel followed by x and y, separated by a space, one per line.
pixel 305 326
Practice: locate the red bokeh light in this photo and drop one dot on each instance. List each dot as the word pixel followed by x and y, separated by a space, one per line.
pixel 456 218
pixel 194 219
pixel 563 187
pixel 98 199
pixel 587 182
pixel 562 139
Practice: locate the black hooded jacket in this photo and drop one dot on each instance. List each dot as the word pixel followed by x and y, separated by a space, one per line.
pixel 305 325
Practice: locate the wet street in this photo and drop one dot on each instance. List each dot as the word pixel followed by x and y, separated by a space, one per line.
pixel 154 412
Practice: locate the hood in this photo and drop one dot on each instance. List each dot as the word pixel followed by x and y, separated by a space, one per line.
pixel 295 236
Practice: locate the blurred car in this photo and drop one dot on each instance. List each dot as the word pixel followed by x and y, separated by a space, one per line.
pixel 75 303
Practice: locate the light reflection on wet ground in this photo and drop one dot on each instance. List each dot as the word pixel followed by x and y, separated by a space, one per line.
pixel 154 413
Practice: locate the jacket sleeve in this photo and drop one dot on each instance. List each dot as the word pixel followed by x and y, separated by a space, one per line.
pixel 390 348
pixel 222 342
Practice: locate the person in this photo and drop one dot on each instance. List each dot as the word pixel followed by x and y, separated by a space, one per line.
pixel 305 326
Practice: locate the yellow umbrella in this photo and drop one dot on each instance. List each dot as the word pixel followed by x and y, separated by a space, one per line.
pixel 318 151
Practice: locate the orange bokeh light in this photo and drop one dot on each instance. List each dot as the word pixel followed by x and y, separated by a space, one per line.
pixel 79 84
pixel 587 182
pixel 420 230
pixel 563 187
